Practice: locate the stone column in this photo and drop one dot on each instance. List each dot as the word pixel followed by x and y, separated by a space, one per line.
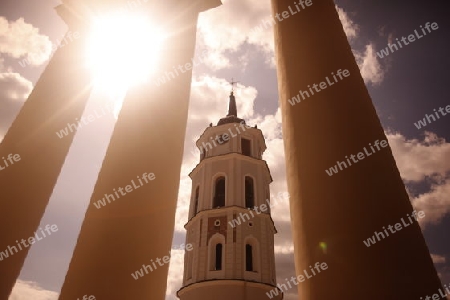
pixel 333 215
pixel 117 239
pixel 58 98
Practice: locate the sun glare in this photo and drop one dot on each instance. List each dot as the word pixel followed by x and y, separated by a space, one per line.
pixel 123 51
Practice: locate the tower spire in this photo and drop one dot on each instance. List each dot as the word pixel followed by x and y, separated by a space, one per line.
pixel 231 117
pixel 232 110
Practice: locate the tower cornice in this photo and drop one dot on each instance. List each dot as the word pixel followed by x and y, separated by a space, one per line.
pixel 223 127
pixel 211 211
pixel 239 282
pixel 228 156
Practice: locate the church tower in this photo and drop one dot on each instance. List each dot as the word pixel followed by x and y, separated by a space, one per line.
pixel 230 227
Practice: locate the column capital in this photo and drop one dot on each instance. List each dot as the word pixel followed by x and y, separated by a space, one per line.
pixel 75 15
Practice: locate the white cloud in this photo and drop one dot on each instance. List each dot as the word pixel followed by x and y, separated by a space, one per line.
pixel 369 66
pixel 418 159
pixel 175 278
pixel 351 29
pixel 209 99
pixel 438 259
pixel 14 90
pixel 435 203
pixel 425 160
pixel 26 290
pixel 19 39
pixel 225 29
pixel 14 87
pixel 284 249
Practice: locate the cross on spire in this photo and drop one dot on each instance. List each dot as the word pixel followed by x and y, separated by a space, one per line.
pixel 232 111
pixel 232 116
pixel 232 82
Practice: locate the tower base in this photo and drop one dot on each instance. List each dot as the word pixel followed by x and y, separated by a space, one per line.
pixel 229 289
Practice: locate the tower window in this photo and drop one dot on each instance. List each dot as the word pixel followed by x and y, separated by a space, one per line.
pixel 218 262
pixel 249 192
pixel 219 193
pixel 246 147
pixel 248 257
pixel 189 266
pixel 197 193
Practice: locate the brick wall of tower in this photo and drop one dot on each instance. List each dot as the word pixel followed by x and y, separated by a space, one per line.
pixel 262 231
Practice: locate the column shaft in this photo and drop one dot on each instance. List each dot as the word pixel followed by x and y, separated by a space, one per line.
pixel 118 239
pixel 346 208
pixel 58 98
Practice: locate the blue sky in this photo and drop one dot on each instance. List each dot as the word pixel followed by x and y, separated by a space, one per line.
pixel 404 86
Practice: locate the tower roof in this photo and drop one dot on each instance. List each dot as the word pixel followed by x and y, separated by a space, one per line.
pixel 232 112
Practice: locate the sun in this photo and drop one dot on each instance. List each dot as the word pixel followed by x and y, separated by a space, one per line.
pixel 123 50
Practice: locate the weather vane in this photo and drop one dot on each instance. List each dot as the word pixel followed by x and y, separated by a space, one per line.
pixel 232 82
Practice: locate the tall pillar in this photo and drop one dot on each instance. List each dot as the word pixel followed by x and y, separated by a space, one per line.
pixel 117 239
pixel 38 154
pixel 333 215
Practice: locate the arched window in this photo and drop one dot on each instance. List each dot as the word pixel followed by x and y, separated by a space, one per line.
pixel 218 258
pixel 197 193
pixel 246 147
pixel 219 193
pixel 216 255
pixel 249 192
pixel 248 257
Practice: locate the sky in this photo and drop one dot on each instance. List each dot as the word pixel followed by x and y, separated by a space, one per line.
pixel 234 42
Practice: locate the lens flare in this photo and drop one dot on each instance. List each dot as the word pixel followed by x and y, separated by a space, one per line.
pixel 324 247
pixel 123 50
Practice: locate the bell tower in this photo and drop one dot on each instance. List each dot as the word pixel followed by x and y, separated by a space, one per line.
pixel 230 226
